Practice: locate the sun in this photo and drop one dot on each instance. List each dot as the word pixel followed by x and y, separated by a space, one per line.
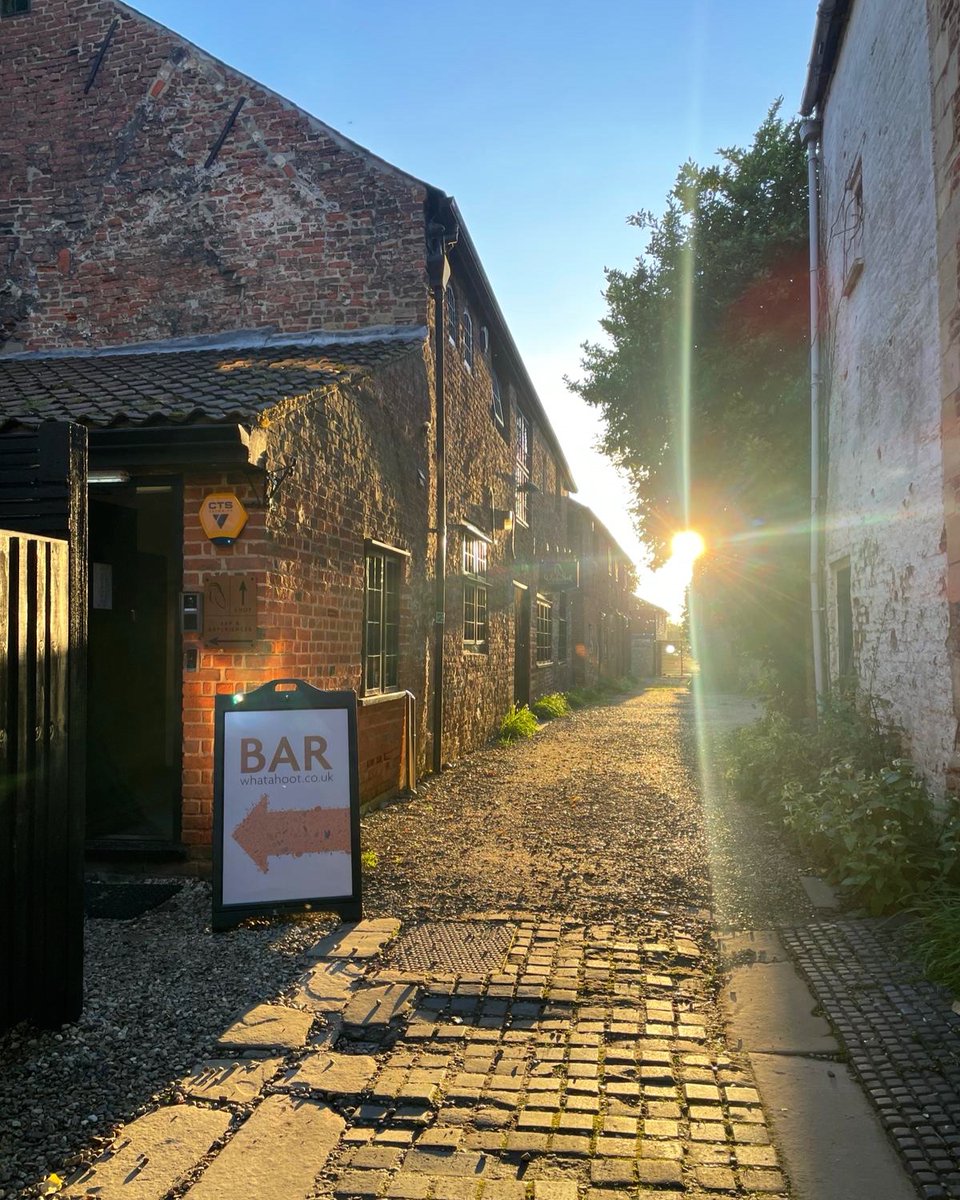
pixel 687 545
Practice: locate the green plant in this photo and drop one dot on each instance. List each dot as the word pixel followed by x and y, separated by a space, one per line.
pixel 369 860
pixel 874 831
pixel 935 939
pixel 762 758
pixel 550 706
pixel 581 697
pixel 518 723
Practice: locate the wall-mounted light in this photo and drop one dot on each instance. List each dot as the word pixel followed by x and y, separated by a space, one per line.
pixel 102 477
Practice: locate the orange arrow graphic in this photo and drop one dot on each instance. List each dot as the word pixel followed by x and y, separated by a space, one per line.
pixel 295 831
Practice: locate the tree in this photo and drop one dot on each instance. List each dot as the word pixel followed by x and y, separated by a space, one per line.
pixel 702 382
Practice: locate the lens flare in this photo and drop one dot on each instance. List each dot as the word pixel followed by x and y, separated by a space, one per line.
pixel 687 545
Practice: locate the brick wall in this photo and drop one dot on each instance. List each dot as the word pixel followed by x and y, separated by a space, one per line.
pixel 885 512
pixel 112 229
pixel 480 460
pixel 305 545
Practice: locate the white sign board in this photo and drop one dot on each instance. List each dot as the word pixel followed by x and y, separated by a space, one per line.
pixel 286 823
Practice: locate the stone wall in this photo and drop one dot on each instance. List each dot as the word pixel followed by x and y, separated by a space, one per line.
pixel 884 500
pixel 114 229
pixel 944 16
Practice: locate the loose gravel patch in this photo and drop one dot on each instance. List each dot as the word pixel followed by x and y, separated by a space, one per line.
pixel 159 992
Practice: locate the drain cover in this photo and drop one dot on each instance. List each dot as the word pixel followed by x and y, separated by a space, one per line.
pixel 466 947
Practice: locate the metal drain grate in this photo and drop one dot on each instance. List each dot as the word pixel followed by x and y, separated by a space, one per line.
pixel 466 947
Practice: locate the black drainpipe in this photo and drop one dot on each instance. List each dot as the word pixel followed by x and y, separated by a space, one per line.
pixel 439 238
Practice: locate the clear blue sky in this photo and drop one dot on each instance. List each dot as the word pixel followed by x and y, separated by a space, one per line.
pixel 550 122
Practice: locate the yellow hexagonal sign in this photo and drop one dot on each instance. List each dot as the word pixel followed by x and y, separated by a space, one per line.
pixel 222 517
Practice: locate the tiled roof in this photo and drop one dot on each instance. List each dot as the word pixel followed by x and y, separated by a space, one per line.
pixel 167 383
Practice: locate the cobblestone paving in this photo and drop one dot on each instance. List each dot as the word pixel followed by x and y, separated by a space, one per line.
pixel 587 1064
pixel 545 1026
pixel 902 1038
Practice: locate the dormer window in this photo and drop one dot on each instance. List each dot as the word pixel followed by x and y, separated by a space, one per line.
pixel 453 322
pixel 496 406
pixel 467 339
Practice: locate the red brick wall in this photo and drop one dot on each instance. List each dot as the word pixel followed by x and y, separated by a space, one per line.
pixel 113 230
pixel 479 688
pixel 355 457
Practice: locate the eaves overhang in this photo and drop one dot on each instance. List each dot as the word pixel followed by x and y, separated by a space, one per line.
pixel 831 24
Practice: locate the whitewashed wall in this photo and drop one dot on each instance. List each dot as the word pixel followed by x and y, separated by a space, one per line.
pixel 885 475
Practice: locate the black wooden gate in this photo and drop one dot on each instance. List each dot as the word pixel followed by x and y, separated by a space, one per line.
pixel 43 622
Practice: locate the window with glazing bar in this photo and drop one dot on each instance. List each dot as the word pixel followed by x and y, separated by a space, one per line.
pixel 382 621
pixel 475 631
pixel 522 468
pixel 544 631
pixel 562 627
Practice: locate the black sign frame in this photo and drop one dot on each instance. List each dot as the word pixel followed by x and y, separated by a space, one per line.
pixel 280 695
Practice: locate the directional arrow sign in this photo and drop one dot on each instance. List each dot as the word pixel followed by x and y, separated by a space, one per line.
pixel 264 834
pixel 286 802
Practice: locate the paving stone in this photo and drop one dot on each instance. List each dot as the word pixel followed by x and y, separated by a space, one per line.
pixel 361 939
pixel 754 1179
pixel 617 1147
pixel 152 1154
pixel 462 1163
pixel 357 1185
pixel 522 1142
pixel 554 1189
pixel 615 1171
pixel 756 1156
pixel 504 1189
pixel 235 1080
pixel 659 1173
pixel 702 1093
pixel 328 986
pixel 456 1189
pixel 268 1027
pixel 408 1186
pixel 277 1153
pixel 570 1145
pixel 335 1074
pixel 715 1179
pixel 376 1006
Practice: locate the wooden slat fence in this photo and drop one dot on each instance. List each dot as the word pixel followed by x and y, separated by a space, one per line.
pixel 43 612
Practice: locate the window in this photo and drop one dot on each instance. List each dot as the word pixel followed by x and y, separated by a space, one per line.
pixel 474 593
pixel 497 402
pixel 544 631
pixel 852 217
pixel 467 339
pixel 523 468
pixel 453 322
pixel 844 620
pixel 562 627
pixel 10 8
pixel 382 620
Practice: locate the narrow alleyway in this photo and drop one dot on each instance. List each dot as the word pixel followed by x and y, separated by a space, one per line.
pixel 531 1010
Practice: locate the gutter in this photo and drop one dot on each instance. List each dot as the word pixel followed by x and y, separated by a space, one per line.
pixel 831 23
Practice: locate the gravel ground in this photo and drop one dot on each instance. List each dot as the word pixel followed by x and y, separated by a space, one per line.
pixel 159 991
pixel 597 819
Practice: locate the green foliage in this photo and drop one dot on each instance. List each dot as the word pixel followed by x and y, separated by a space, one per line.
pixel 714 312
pixel 550 706
pixel 369 860
pixel 874 832
pixel 936 939
pixel 580 698
pixel 851 802
pixel 518 723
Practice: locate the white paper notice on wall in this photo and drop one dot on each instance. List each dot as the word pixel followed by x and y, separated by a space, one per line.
pixel 287 831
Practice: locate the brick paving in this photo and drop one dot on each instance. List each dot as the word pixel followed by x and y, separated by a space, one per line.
pixel 543 1026
pixel 588 1063
pixel 901 1036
